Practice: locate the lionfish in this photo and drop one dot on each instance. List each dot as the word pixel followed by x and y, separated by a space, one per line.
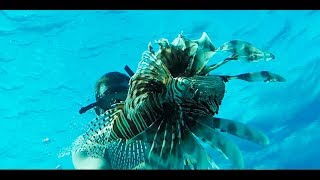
pixel 168 114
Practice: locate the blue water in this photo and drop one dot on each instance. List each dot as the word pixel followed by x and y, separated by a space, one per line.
pixel 50 60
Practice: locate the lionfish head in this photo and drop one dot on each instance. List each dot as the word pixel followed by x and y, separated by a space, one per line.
pixel 206 94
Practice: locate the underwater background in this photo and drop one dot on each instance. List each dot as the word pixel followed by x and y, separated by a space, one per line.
pixel 50 61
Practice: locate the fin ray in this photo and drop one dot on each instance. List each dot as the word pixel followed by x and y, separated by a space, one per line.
pixel 127 156
pixel 262 76
pixel 216 140
pixel 235 128
pixel 246 51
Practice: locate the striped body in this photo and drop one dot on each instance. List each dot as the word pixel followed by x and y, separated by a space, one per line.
pixel 170 103
pixel 150 99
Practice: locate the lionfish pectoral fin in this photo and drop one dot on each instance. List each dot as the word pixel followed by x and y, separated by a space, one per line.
pixel 201 58
pixel 235 128
pixel 127 156
pixel 195 154
pixel 262 76
pixel 179 43
pixel 163 43
pixel 143 166
pixel 150 81
pixel 205 42
pixel 216 140
pixel 165 152
pixel 206 70
pixel 151 68
pixel 146 135
pixel 153 136
pixel 203 53
pixel 150 48
pixel 96 138
pixel 245 51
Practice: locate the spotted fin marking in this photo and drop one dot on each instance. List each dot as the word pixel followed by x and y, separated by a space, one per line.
pixel 99 125
pixel 262 76
pixel 246 51
pixel 235 128
pixel 241 50
pixel 216 140
pixel 97 136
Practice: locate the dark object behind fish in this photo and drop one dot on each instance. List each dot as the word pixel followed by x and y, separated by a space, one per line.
pixel 109 89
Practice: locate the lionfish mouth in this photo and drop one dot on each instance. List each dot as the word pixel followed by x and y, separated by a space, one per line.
pixel 211 104
pixel 208 106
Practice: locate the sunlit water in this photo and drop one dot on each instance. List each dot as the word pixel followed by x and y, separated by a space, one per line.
pixel 50 60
